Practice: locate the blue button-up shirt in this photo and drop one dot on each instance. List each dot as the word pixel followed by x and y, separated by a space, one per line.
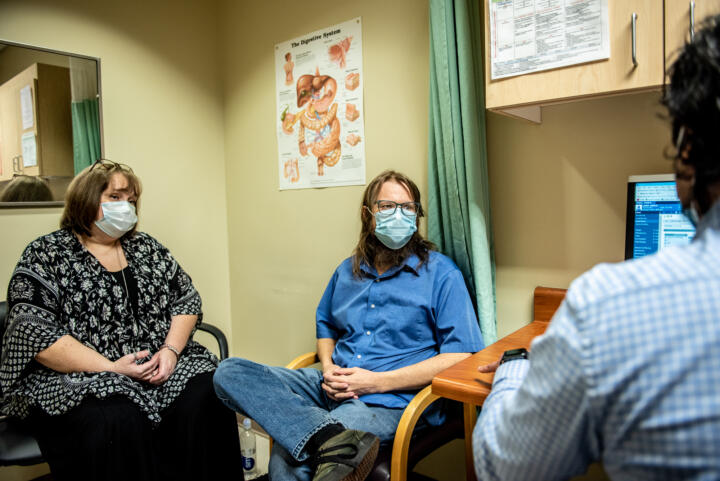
pixel 628 373
pixel 408 314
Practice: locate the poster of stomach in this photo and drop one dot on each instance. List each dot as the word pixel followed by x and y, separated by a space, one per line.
pixel 319 117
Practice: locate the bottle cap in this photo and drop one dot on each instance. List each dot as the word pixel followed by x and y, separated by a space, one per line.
pixel 247 423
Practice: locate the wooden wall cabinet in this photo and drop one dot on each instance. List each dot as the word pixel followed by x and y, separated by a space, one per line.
pixel 680 17
pixel 51 126
pixel 661 28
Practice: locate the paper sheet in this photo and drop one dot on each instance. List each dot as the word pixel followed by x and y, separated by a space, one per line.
pixel 532 35
pixel 26 108
pixel 29 150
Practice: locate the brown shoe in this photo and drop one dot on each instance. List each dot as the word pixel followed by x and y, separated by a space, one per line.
pixel 348 456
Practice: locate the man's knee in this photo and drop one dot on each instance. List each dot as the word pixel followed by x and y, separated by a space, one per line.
pixel 229 373
pixel 235 379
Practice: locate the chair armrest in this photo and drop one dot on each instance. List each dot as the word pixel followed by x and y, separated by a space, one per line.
pixel 403 434
pixel 305 360
pixel 17 446
pixel 219 337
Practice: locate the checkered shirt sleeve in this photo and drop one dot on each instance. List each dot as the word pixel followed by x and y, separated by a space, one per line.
pixel 534 424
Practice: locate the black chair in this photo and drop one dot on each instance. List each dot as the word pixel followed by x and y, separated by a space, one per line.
pixel 17 446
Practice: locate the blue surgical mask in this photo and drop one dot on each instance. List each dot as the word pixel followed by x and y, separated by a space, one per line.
pixel 394 230
pixel 118 218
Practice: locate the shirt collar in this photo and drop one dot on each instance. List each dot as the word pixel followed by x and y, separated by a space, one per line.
pixel 410 264
pixel 711 220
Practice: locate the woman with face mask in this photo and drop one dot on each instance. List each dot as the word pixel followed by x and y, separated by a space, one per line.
pixel 98 357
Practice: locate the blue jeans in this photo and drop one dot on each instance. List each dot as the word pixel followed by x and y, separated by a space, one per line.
pixel 291 406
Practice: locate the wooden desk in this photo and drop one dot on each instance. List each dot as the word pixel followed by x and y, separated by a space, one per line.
pixel 462 382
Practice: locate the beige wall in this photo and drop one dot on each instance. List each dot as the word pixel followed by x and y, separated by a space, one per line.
pixel 285 245
pixel 558 191
pixel 195 115
pixel 162 110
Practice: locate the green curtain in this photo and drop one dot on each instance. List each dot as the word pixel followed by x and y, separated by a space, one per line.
pixel 86 133
pixel 459 203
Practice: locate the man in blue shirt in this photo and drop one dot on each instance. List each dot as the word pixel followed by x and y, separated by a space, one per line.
pixel 628 373
pixel 392 316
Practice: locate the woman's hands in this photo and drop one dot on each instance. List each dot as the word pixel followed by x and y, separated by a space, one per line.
pixel 166 362
pixel 155 371
pixel 127 366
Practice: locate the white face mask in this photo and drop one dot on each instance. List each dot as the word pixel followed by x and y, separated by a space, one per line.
pixel 118 218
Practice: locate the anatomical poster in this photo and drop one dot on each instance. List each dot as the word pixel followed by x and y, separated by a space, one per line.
pixel 320 112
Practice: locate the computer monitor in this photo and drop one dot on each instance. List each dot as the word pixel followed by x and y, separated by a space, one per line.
pixel 654 216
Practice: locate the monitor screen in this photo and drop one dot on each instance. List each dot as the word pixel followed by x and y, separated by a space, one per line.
pixel 654 216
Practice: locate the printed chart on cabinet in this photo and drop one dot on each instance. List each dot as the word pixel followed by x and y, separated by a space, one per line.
pixel 320 117
pixel 532 35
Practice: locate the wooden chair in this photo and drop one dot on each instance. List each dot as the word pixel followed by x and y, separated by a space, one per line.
pixel 546 300
pixel 17 446
pixel 394 464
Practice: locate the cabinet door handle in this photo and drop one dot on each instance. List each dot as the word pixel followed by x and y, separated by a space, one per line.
pixel 634 38
pixel 692 22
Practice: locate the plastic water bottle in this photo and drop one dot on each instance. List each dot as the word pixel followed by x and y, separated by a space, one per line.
pixel 247 449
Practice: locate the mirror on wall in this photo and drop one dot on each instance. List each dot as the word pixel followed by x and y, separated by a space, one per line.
pixel 50 122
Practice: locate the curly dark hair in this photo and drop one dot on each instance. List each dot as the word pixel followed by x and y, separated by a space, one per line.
pixel 369 249
pixel 693 103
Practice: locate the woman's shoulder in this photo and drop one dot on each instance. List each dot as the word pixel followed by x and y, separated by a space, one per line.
pixel 58 237
pixel 47 252
pixel 143 240
pixel 59 241
pixel 144 246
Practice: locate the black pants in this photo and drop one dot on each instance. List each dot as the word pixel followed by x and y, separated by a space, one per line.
pixel 111 439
